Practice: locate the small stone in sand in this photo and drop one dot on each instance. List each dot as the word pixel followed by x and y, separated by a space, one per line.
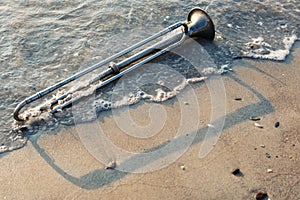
pixel 238 99
pixel 268 155
pixel 183 167
pixel 237 172
pixel 258 125
pixel 270 171
pixel 111 165
pixel 261 196
pixel 253 118
pixel 186 103
pixel 262 146
pixel 277 124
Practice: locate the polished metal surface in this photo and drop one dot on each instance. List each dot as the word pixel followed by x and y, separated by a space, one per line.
pixel 198 24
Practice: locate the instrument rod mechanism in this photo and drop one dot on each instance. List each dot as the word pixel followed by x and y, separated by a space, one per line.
pixel 198 24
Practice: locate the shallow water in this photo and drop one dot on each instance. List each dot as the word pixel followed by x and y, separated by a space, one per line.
pixel 43 42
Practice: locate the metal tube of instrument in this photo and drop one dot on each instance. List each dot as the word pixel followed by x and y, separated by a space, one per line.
pixel 79 74
pixel 198 24
pixel 68 103
pixel 124 63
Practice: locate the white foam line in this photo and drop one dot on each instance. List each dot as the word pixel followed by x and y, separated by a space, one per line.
pixel 279 54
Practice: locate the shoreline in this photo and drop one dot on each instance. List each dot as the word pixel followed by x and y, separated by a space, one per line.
pixel 58 166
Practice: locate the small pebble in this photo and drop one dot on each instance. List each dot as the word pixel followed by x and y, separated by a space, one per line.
pixel 261 196
pixel 254 118
pixel 236 172
pixel 183 167
pixel 258 125
pixel 186 103
pixel 277 124
pixel 270 171
pixel 268 155
pixel 262 146
pixel 238 99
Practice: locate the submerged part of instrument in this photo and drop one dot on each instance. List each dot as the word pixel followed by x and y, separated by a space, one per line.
pixel 198 24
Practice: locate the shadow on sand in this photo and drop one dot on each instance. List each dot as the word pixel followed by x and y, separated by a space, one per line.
pixel 102 177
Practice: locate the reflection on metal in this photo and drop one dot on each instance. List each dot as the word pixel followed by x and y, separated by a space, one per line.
pixel 198 24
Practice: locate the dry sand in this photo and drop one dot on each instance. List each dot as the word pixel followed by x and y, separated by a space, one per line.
pixel 57 166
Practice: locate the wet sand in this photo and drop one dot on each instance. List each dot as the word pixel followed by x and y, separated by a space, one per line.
pixel 57 166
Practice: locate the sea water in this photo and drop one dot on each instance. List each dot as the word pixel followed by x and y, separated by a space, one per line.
pixel 43 42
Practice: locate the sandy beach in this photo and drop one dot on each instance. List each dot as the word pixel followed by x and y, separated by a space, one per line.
pixel 266 158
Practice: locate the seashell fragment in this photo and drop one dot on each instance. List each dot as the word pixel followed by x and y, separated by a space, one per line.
pixel 111 165
pixel 210 125
pixel 258 125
